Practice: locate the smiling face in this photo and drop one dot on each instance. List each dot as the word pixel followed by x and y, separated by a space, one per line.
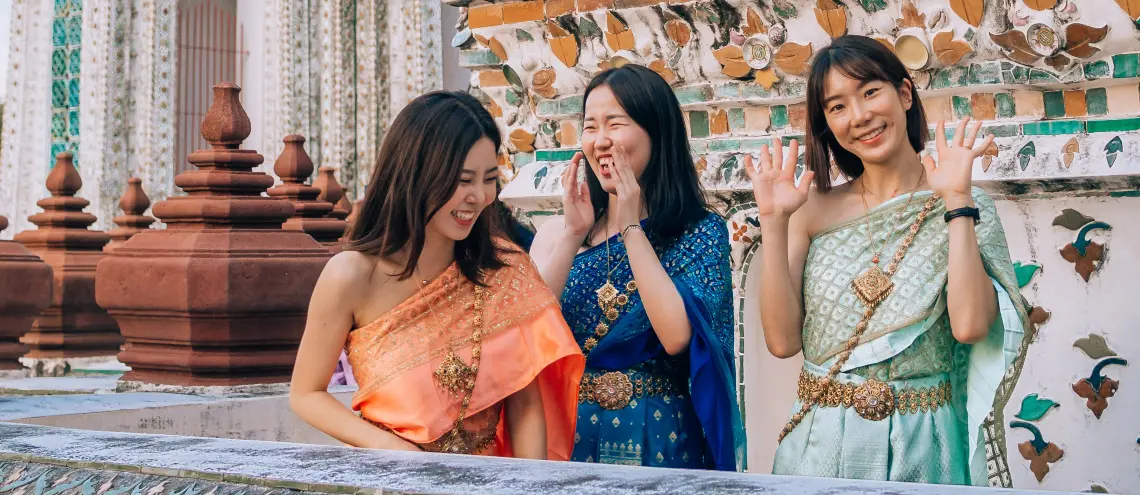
pixel 606 128
pixel 477 186
pixel 867 118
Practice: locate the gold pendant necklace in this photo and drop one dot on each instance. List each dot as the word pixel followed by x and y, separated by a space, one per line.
pixel 609 300
pixel 873 285
pixel 458 377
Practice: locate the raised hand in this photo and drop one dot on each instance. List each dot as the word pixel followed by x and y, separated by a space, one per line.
pixel 950 176
pixel 628 190
pixel 774 182
pixel 577 209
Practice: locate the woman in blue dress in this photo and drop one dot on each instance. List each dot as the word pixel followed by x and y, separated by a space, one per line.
pixel 642 266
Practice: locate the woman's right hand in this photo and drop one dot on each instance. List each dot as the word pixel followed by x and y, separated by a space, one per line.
pixel 774 181
pixel 577 209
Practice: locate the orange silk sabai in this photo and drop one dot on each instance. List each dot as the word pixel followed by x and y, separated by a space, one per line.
pixel 524 339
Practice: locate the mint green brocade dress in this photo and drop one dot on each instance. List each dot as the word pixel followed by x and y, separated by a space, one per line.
pixel 941 430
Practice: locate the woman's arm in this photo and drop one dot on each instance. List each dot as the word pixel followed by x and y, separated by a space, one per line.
pixel 970 296
pixel 553 251
pixel 663 304
pixel 526 423
pixel 784 252
pixel 326 328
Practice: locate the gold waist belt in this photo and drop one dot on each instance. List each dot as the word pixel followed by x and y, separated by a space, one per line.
pixel 615 389
pixel 873 399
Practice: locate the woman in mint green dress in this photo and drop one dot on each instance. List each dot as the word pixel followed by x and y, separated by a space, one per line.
pixel 897 285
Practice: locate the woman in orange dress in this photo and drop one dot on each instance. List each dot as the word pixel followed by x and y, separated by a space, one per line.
pixel 454 340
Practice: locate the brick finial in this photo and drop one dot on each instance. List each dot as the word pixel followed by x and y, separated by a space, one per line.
pixel 226 124
pixel 134 203
pixel 73 325
pixel 25 290
pixel 332 191
pixel 310 211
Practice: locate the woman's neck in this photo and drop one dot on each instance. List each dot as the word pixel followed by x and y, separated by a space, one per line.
pixel 438 254
pixel 899 175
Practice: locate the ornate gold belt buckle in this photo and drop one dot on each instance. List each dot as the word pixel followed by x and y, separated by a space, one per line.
pixel 874 400
pixel 613 390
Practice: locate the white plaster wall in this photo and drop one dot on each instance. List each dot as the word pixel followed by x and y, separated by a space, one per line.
pixel 455 78
pixel 1105 450
pixel 261 418
pixel 251 22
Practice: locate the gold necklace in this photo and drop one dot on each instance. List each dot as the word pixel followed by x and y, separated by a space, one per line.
pixel 609 299
pixel 898 215
pixel 458 377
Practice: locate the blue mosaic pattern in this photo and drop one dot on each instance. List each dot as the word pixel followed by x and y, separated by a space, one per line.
pixel 66 37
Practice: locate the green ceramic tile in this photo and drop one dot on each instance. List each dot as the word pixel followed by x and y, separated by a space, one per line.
pixel 1006 130
pixel 779 115
pixel 987 73
pixel 1053 128
pixel 962 107
pixel 560 155
pixel 1042 76
pixel 786 140
pixel 1054 104
pixel 1005 106
pixel 724 145
pixel 950 77
pixel 73 60
pixel 1075 75
pixel 694 94
pixel 730 91
pixel 58 125
pixel 1097 70
pixel 73 123
pixel 59 32
pixel 547 108
pixel 757 91
pixel 73 92
pixel 1017 75
pixel 1113 125
pixel 735 119
pixel 1124 194
pixel 1126 65
pixel 793 89
pixel 1096 101
pixel 873 5
pixel 701 146
pixel 58 62
pixel 570 105
pixel 699 124
pixel 74 29
pixel 754 143
pixel 59 93
pixel 476 58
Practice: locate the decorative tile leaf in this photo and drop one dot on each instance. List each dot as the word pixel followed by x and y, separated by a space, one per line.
pixel 969 10
pixel 1034 408
pixel 792 58
pixel 1083 241
pixel 513 78
pixel 831 17
pixel 1114 146
pixel 541 174
pixel 949 50
pixel 1025 272
pixel 1084 264
pixel 1025 154
pixel 523 36
pixel 728 167
pixel 1016 47
pixel 1094 346
pixel 1079 39
pixel 1072 219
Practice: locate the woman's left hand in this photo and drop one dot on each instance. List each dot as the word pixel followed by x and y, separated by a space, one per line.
pixel 950 176
pixel 628 191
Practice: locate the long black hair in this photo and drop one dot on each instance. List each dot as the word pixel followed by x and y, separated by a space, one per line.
pixel 863 59
pixel 673 194
pixel 417 172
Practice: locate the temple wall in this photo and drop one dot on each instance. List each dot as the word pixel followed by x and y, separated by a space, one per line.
pixel 1055 81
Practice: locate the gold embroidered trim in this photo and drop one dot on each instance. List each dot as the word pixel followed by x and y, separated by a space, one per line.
pixel 906 401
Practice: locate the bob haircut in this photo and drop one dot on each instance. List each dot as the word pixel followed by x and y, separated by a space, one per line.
pixel 862 59
pixel 672 190
pixel 417 172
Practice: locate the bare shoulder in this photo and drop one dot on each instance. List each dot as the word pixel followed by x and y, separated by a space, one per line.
pixel 546 236
pixel 821 209
pixel 347 274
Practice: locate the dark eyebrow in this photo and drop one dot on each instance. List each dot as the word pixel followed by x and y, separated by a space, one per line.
pixel 828 100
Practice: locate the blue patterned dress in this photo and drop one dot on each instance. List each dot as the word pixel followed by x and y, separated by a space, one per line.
pixel 683 412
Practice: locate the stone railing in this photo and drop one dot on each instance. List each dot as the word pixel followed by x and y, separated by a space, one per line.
pixel 41 460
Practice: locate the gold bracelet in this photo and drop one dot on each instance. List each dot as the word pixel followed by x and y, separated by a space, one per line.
pixel 631 226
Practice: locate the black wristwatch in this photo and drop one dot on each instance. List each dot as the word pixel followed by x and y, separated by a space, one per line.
pixel 967 211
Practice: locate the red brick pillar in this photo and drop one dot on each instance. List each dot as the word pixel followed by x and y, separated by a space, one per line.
pixel 219 296
pixel 25 291
pixel 73 325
